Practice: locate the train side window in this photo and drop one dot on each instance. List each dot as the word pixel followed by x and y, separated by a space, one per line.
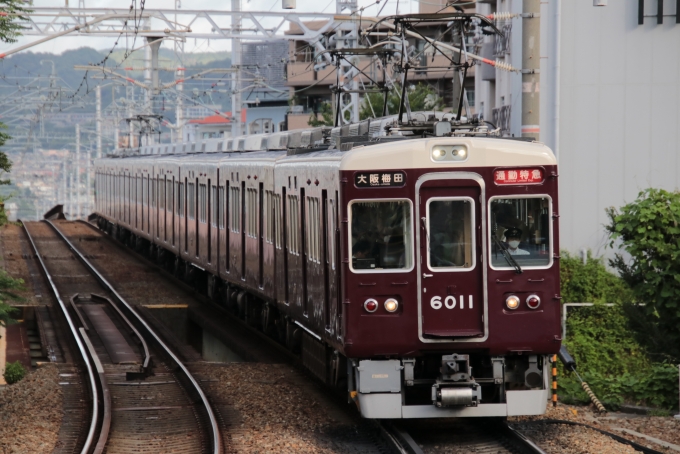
pixel 202 203
pixel 235 208
pixel 312 224
pixel 191 198
pixel 180 199
pixel 168 195
pixel 269 217
pixel 278 237
pixel 161 194
pixel 220 206
pixel 523 227
pixel 381 235
pixel 215 207
pixel 331 231
pixel 251 212
pixel 293 224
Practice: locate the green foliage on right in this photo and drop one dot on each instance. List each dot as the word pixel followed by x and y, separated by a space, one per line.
pixel 607 352
pixel 648 229
pixel 14 372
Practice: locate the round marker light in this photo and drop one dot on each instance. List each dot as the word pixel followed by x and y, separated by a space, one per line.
pixel 438 154
pixel 512 302
pixel 533 301
pixel 391 305
pixel 459 153
pixel 371 305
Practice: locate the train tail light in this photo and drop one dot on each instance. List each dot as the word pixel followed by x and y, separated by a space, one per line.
pixel 391 305
pixel 533 301
pixel 371 305
pixel 512 302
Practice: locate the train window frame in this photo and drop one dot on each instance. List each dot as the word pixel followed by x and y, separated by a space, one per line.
pixel 220 207
pixel 278 222
pixel 202 203
pixel 411 237
pixel 180 199
pixel 551 243
pixel 473 255
pixel 293 223
pixel 191 198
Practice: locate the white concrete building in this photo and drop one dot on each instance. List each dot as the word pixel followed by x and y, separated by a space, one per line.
pixel 610 103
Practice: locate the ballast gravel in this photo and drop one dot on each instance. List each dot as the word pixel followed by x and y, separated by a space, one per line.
pixel 562 438
pixel 274 410
pixel 31 413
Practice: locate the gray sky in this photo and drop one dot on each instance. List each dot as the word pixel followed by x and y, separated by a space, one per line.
pixel 61 44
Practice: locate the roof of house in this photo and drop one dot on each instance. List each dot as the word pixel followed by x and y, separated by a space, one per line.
pixel 212 120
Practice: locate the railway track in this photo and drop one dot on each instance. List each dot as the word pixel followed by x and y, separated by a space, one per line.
pixel 493 437
pixel 142 398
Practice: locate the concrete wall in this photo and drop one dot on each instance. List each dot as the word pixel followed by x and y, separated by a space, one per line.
pixel 619 115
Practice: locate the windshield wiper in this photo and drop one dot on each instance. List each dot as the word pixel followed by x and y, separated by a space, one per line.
pixel 508 258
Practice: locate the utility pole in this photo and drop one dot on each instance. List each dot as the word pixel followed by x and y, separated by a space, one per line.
pixel 457 33
pixel 179 116
pixel 98 120
pixel 88 186
pixel 531 64
pixel 77 188
pixel 236 126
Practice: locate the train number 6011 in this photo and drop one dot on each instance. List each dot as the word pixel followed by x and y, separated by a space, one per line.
pixel 449 302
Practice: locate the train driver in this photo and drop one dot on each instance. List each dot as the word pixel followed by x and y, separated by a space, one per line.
pixel 513 236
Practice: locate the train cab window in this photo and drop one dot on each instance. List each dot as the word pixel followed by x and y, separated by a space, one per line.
pixel 381 235
pixel 450 227
pixel 520 228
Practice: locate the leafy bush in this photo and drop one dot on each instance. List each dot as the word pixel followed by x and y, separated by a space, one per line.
pixel 607 352
pixel 648 229
pixel 14 372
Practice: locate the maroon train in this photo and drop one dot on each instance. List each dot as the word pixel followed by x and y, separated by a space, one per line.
pixel 420 273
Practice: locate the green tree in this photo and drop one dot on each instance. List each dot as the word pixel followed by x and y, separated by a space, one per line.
pixel 420 97
pixel 10 28
pixel 327 114
pixel 9 288
pixel 648 230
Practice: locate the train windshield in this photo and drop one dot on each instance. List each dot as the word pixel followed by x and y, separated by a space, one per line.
pixel 450 233
pixel 520 228
pixel 381 235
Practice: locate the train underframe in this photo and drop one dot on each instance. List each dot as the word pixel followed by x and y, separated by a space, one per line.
pixel 434 385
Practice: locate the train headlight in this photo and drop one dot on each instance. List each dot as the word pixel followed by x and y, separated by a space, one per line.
pixel 533 301
pixel 438 153
pixel 391 305
pixel 442 153
pixel 512 302
pixel 371 305
pixel 459 153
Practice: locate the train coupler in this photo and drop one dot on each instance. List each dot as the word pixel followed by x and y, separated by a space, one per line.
pixel 455 386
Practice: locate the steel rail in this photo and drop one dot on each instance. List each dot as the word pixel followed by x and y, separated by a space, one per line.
pixel 216 441
pixel 83 351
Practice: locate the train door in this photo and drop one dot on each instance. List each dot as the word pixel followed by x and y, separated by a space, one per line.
pixel 451 266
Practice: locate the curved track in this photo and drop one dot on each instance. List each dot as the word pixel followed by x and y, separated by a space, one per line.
pixel 135 406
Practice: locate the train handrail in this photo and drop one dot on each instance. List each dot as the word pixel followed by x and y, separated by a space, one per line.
pixel 147 355
pixel 83 352
pixel 217 443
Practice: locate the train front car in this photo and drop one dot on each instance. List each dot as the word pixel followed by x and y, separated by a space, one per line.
pixel 451 286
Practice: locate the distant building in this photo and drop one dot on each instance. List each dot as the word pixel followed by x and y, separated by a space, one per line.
pixel 210 127
pixel 306 70
pixel 609 102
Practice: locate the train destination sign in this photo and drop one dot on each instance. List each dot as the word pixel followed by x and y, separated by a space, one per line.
pixel 518 176
pixel 378 179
